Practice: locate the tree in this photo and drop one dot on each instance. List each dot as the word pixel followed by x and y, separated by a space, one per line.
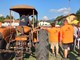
pixel 2 18
pixel 78 15
pixel 59 20
pixel 59 17
pixel 7 17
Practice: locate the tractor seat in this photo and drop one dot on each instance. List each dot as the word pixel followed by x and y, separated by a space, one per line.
pixel 21 38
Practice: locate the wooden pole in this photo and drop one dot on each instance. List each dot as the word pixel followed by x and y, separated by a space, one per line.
pixel 10 17
pixel 36 26
pixel 69 7
pixel 10 14
pixel 37 19
pixel 33 18
pixel 33 26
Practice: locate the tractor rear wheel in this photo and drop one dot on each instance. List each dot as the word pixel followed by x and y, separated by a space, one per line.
pixel 42 47
pixel 2 44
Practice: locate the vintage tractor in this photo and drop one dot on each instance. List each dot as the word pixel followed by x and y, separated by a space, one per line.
pixel 20 39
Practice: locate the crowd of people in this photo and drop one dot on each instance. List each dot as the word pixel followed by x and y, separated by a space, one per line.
pixel 64 35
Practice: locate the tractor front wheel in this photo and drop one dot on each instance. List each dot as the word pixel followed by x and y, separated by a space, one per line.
pixel 42 52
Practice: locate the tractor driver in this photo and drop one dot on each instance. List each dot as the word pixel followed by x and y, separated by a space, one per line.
pixel 24 20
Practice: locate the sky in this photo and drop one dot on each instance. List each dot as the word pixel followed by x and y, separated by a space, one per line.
pixel 47 9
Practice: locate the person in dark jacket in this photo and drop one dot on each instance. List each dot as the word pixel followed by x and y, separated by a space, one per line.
pixel 24 20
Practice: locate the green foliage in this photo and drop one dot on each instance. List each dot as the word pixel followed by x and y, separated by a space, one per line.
pixel 2 18
pixel 18 19
pixel 59 17
pixel 8 17
pixel 78 15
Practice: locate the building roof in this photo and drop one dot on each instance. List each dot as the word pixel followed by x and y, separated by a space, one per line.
pixel 11 20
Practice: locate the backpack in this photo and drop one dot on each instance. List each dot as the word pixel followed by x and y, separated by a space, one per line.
pixel 78 33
